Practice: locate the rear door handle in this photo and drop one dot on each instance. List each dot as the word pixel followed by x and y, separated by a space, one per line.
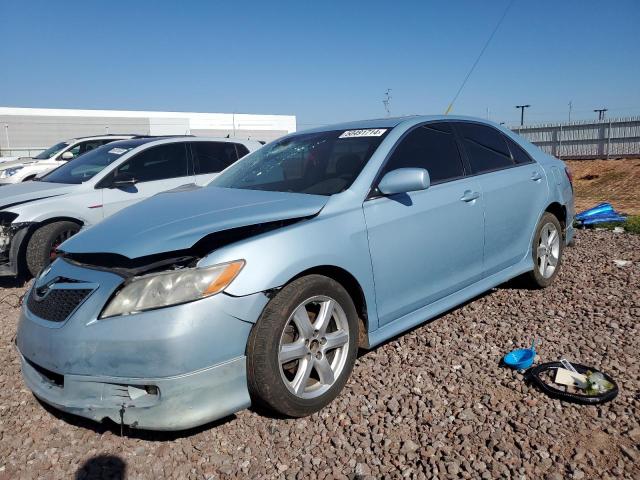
pixel 535 176
pixel 469 196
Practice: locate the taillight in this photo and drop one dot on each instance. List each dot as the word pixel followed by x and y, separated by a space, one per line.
pixel 569 176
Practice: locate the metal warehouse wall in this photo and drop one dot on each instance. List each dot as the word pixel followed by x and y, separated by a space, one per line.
pixel 27 131
pixel 264 135
pixel 609 138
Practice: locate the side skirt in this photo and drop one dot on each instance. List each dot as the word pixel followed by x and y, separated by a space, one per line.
pixel 434 309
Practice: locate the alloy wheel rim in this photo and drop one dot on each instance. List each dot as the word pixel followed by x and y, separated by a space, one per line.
pixel 314 346
pixel 548 251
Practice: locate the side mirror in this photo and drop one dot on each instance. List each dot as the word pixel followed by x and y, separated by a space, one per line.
pixel 122 180
pixel 66 156
pixel 403 180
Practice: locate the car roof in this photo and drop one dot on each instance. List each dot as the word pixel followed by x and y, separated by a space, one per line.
pixel 391 122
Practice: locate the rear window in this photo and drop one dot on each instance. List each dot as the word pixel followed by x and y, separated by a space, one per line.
pixel 486 147
pixel 213 157
pixel 517 152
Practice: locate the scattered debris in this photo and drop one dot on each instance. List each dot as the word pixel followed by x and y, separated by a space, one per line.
pixel 601 213
pixel 622 263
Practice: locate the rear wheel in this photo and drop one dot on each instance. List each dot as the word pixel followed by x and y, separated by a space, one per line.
pixel 302 349
pixel 546 251
pixel 41 249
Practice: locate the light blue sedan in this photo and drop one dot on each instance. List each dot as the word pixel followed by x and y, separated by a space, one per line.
pixel 261 287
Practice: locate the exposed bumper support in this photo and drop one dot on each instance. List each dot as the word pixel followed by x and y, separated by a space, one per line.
pixel 16 234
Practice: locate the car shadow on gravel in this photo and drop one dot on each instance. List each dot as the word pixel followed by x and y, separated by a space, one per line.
pixel 125 431
pixel 102 466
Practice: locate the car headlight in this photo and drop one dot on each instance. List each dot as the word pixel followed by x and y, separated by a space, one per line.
pixel 9 172
pixel 158 290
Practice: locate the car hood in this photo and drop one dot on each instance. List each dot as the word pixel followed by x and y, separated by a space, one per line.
pixel 10 159
pixel 19 193
pixel 21 162
pixel 177 219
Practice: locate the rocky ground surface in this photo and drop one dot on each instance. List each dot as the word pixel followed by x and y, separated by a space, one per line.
pixel 431 403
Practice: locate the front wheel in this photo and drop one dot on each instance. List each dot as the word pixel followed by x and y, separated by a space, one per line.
pixel 546 251
pixel 42 246
pixel 302 349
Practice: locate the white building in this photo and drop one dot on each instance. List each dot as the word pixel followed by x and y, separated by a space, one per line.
pixel 27 131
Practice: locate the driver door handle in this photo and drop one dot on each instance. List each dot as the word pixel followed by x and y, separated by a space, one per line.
pixel 469 196
pixel 535 176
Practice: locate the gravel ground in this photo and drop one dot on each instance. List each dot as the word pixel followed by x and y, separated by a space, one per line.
pixel 431 403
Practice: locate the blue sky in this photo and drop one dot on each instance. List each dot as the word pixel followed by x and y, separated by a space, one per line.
pixel 323 61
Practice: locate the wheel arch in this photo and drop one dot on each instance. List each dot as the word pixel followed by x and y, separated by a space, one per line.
pixel 20 253
pixel 353 288
pixel 560 212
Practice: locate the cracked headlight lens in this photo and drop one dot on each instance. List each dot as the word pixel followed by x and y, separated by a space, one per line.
pixel 158 290
pixel 9 172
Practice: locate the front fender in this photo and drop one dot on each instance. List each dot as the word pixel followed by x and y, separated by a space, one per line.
pixel 274 258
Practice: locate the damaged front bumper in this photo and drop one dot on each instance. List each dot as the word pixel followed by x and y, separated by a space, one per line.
pixel 172 403
pixel 12 236
pixel 166 369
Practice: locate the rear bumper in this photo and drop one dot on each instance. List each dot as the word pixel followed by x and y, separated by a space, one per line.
pixel 173 403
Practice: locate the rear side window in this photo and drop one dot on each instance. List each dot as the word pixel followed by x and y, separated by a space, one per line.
pixel 158 163
pixel 486 147
pixel 431 146
pixel 213 157
pixel 242 150
pixel 518 153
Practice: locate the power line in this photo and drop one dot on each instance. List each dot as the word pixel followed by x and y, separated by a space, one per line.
pixel 464 82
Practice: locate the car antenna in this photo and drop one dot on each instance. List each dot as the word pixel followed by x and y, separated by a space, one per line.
pixel 464 82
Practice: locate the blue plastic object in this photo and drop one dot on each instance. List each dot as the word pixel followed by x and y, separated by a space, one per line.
pixel 521 358
pixel 601 213
pixel 601 208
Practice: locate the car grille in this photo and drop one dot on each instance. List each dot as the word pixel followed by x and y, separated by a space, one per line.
pixel 58 304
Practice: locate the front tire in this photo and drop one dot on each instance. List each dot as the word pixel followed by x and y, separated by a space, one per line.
pixel 546 251
pixel 302 350
pixel 44 241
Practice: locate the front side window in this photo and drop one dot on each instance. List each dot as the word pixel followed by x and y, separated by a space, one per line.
pixel 486 147
pixel 323 163
pixel 51 151
pixel 157 163
pixel 213 157
pixel 433 147
pixel 84 147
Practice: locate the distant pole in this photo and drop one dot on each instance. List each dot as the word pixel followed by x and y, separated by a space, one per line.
pixel 387 101
pixel 6 132
pixel 570 108
pixel 487 113
pixel 600 112
pixel 522 107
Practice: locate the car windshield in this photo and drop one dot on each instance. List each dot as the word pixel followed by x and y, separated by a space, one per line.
pixel 86 166
pixel 51 151
pixel 323 163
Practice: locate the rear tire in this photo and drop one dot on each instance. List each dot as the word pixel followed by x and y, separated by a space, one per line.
pixel 546 251
pixel 44 241
pixel 302 350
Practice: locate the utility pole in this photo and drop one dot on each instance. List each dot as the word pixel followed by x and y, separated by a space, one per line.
pixel 522 107
pixel 570 108
pixel 487 113
pixel 387 101
pixel 600 112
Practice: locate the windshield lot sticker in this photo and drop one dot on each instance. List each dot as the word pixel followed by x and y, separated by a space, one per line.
pixel 118 151
pixel 369 132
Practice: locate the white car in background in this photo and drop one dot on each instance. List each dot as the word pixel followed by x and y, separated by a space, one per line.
pixel 25 168
pixel 36 217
